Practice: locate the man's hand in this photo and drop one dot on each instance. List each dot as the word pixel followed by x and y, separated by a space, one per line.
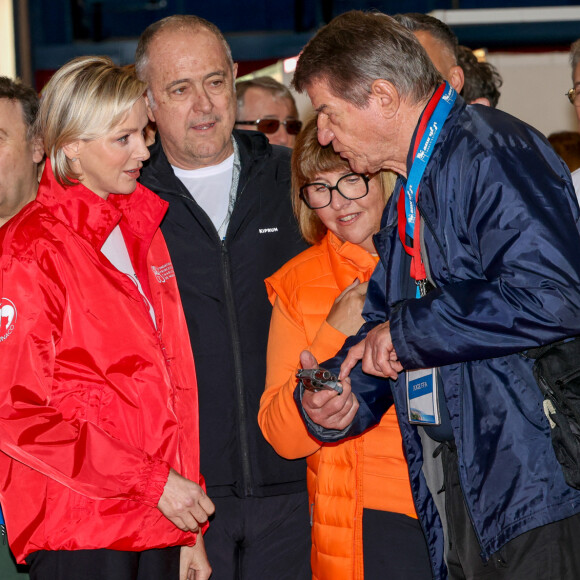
pixel 377 354
pixel 327 408
pixel 193 562
pixel 184 503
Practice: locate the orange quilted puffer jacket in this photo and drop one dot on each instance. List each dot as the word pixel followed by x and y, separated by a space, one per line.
pixel 364 472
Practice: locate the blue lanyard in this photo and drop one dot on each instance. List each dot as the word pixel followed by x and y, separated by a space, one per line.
pixel 424 152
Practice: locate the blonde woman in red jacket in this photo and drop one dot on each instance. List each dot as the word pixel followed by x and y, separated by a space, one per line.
pixel 363 518
pixel 99 470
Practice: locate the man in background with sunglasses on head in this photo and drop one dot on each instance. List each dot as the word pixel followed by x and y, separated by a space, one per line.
pixel 229 226
pixel 268 106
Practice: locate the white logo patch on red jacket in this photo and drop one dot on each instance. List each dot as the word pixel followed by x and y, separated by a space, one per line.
pixel 7 318
pixel 164 272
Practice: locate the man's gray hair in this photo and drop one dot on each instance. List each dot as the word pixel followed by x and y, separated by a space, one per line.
pixel 357 48
pixel 177 22
pixel 574 56
pixel 269 84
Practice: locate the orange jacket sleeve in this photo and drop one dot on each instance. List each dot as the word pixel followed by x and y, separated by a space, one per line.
pixel 278 416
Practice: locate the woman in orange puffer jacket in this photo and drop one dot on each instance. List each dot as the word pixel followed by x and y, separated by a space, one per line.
pixel 363 518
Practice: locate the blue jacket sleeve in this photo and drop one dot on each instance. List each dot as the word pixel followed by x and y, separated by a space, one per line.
pixel 517 216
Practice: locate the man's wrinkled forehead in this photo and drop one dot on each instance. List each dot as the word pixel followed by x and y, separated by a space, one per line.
pixel 11 117
pixel 198 42
pixel 326 96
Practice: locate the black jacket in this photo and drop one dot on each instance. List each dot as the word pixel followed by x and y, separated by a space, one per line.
pixel 228 313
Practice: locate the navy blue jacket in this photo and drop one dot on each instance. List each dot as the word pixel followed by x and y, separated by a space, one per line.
pixel 503 244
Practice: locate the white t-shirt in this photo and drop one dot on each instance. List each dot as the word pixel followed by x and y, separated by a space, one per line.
pixel 115 250
pixel 210 187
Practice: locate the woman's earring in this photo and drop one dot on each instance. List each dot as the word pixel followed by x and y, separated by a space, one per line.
pixel 73 159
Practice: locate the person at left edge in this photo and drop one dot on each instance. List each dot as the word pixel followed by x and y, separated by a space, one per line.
pixel 20 148
pixel 229 226
pixel 99 470
pixel 20 156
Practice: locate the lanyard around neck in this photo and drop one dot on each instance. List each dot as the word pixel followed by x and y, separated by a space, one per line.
pixel 430 126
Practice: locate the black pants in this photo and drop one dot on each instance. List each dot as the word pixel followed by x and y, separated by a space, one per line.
pixel 105 565
pixel 550 552
pixel 394 547
pixel 260 538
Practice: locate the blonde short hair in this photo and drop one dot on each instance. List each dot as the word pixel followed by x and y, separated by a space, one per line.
pixel 84 99
pixel 309 158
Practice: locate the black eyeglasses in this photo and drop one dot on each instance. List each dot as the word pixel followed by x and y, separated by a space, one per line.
pixel 270 126
pixel 573 97
pixel 350 186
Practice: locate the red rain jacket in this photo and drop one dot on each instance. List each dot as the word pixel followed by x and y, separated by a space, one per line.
pixel 95 402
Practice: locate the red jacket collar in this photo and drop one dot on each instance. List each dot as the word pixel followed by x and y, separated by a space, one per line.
pixel 93 218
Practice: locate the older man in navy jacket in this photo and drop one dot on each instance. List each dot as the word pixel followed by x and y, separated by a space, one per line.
pixel 484 213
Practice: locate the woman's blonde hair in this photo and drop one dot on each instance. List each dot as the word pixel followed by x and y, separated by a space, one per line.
pixel 309 159
pixel 84 99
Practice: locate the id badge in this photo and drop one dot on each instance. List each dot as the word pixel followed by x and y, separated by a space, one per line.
pixel 422 402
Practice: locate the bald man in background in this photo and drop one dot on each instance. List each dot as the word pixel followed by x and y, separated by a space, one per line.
pixel 439 42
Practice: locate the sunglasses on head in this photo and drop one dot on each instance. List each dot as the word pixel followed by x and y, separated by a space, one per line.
pixel 270 126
